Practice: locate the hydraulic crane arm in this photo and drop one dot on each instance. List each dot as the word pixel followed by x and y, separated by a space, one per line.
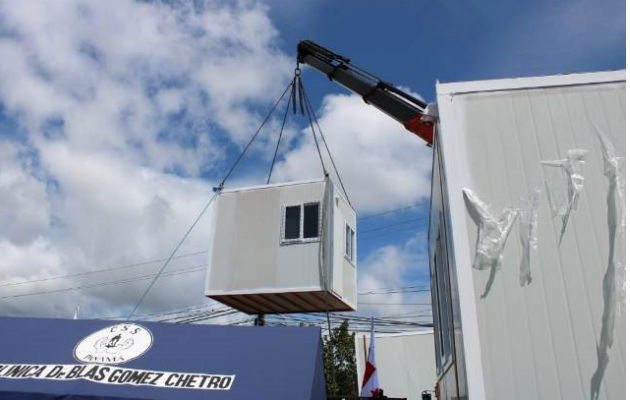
pixel 404 108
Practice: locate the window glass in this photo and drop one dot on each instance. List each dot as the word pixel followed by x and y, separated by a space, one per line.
pixel 441 304
pixel 292 222
pixel 349 242
pixel 311 220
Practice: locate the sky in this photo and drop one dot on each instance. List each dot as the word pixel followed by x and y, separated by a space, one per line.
pixel 117 118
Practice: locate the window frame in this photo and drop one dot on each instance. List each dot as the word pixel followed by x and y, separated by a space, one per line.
pixel 301 238
pixel 352 256
pixel 303 220
pixel 441 300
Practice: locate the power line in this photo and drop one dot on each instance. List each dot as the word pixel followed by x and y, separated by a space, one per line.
pixel 170 257
pixel 108 283
pixel 389 212
pixel 167 312
pixel 394 292
pixel 216 193
pixel 142 263
pixel 392 225
pixel 392 288
pixel 356 323
pixel 389 233
pixel 74 275
pixel 399 289
pixel 393 304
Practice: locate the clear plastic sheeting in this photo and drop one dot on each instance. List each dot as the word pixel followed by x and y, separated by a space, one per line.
pixel 431 113
pixel 492 233
pixel 528 234
pixel 614 168
pixel 572 167
pixel 613 285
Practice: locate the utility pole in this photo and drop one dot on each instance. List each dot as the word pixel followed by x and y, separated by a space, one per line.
pixel 260 320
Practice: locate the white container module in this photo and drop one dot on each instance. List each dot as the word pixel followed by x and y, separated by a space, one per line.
pixel 527 249
pixel 283 248
pixel 405 361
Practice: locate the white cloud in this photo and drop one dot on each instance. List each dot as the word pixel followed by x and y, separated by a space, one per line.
pixel 390 267
pixel 382 165
pixel 102 67
pixel 111 96
pixel 25 211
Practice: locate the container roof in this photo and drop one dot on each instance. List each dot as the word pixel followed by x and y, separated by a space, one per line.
pixel 279 184
pixel 530 82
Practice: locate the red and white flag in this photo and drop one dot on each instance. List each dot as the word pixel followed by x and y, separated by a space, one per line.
pixel 370 376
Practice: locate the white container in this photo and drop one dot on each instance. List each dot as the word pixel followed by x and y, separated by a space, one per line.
pixel 498 336
pixel 405 362
pixel 283 248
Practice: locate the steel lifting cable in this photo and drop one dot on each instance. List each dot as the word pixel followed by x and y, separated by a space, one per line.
pixel 309 109
pixel 296 86
pixel 312 117
pixel 255 135
pixel 214 196
pixel 310 120
pixel 284 120
pixel 170 257
pixel 321 159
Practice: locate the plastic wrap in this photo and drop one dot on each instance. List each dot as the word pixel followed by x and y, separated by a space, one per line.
pixel 613 285
pixel 614 168
pixel 572 167
pixel 492 233
pixel 528 233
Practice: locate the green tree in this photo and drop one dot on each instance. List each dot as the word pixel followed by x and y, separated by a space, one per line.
pixel 339 362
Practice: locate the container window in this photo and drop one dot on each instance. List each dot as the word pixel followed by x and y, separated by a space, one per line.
pixel 292 222
pixel 352 244
pixel 301 223
pixel 442 305
pixel 349 243
pixel 311 220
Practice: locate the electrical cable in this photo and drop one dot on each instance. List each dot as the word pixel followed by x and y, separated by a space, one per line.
pixel 393 287
pixel 366 303
pixel 356 323
pixel 393 292
pixel 391 225
pixel 108 283
pixel 165 312
pixel 388 212
pixel 170 257
pixel 220 187
pixel 312 118
pixel 74 275
pixel 388 233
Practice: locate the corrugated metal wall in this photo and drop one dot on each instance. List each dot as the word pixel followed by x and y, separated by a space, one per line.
pixel 540 340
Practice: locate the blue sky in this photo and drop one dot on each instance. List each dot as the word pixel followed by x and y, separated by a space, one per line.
pixel 415 43
pixel 116 118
